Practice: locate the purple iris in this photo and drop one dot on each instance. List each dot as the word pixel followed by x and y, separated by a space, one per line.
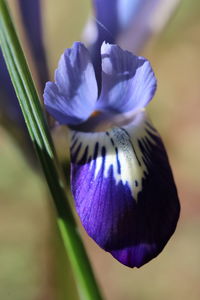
pixel 120 175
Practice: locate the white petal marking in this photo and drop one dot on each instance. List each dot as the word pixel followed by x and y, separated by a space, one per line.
pixel 122 152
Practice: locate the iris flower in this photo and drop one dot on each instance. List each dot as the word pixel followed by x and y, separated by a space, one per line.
pixel 121 180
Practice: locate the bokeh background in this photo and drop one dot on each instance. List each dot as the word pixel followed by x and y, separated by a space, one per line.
pixel 32 263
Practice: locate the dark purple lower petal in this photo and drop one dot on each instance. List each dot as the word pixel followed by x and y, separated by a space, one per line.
pixel 135 256
pixel 124 190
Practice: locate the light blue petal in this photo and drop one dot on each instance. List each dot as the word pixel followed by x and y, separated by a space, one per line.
pixel 148 19
pixel 127 10
pixel 71 99
pixel 128 81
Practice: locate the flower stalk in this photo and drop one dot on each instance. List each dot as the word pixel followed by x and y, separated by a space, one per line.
pixel 40 136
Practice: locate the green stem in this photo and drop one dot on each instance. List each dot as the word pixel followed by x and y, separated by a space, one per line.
pixel 39 133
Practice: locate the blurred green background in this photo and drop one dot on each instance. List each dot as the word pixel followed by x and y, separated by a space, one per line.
pixel 33 265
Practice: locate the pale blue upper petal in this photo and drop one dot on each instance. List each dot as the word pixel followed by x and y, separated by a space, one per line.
pixel 71 99
pixel 128 81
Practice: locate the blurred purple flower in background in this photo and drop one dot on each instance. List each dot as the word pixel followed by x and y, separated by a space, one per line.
pixel 32 21
pixel 11 115
pixel 120 175
pixel 9 107
pixel 128 23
